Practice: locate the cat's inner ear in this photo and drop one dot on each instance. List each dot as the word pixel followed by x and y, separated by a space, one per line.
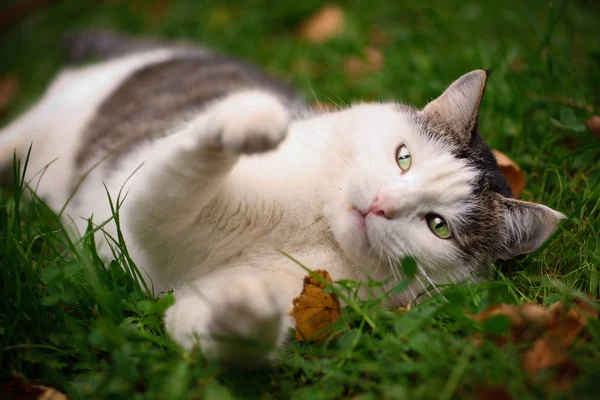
pixel 458 106
pixel 525 225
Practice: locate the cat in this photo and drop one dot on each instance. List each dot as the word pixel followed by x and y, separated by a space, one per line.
pixel 221 167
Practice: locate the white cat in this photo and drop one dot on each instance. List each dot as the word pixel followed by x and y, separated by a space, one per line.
pixel 209 204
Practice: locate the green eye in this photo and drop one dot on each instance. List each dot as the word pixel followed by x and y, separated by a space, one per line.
pixel 438 226
pixel 403 158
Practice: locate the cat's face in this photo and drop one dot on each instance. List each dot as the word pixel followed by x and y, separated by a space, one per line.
pixel 423 184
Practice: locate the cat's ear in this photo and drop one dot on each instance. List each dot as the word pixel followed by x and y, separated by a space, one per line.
pixel 458 106
pixel 525 225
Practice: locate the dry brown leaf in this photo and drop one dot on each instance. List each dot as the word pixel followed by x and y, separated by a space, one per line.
pixel 567 325
pixel 18 389
pixel 314 310
pixel 509 311
pixel 377 37
pixel 551 331
pixel 324 24
pixel 9 85
pixel 593 125
pixel 511 171
pixel 543 355
pixel 533 313
pixel 492 393
pixel 356 66
pixel 517 64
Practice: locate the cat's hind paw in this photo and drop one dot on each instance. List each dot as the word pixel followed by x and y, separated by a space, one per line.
pixel 248 122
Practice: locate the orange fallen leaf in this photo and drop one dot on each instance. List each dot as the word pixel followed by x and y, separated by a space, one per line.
pixel 511 171
pixel 593 124
pixel 314 310
pixel 9 85
pixel 324 24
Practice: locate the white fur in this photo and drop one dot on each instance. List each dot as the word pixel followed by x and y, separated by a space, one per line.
pixel 211 205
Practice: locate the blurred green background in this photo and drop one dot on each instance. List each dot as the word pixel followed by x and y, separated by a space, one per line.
pixel 93 334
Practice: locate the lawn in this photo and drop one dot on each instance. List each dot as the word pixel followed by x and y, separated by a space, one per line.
pixel 68 322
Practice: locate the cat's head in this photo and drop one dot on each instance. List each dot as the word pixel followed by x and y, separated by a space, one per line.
pixel 424 184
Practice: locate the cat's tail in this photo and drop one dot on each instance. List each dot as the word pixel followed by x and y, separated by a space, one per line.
pixel 105 44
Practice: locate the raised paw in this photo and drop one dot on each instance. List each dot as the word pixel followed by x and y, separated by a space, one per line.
pixel 249 122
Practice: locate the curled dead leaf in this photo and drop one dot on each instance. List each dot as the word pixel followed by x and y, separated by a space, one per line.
pixel 324 24
pixel 314 310
pixel 511 171
pixel 9 85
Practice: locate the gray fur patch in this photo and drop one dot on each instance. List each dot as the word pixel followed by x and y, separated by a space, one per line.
pixel 479 234
pixel 157 98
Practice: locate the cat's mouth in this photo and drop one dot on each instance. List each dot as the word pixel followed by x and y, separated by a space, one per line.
pixel 359 216
pixel 365 225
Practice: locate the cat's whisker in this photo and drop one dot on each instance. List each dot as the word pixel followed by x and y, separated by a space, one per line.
pixel 392 269
pixel 422 285
pixel 336 104
pixel 422 270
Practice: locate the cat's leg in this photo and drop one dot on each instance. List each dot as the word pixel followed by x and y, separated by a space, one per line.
pixel 182 175
pixel 236 315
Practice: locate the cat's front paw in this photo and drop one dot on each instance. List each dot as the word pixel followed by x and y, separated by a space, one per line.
pixel 248 319
pixel 238 320
pixel 249 122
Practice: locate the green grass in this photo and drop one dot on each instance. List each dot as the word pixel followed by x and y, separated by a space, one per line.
pixel 67 321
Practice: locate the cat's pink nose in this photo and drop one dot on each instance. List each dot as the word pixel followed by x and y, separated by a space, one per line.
pixel 380 208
